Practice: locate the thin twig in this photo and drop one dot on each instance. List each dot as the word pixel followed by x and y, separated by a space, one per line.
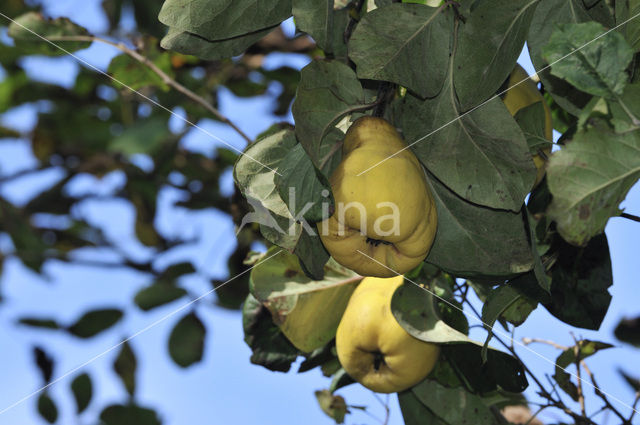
pixel 603 397
pixel 630 217
pixel 165 78
pixel 576 352
pixel 527 341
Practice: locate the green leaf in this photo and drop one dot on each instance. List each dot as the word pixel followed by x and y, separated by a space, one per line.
pixel 327 91
pixel 39 323
pixel 489 44
pixel 47 408
pixel 547 16
pixel 94 322
pixel 82 390
pixel 497 170
pixel 296 303
pixel 625 110
pixel 223 19
pixel 589 178
pixel 340 379
pixel 579 282
pixel 601 11
pixel 414 54
pixel 117 414
pixel 453 405
pixel 628 330
pixel 31 29
pixel 598 68
pixel 191 44
pixel 157 294
pixel 136 75
pixel 474 241
pixel 186 342
pixel 570 356
pixel 506 301
pixel 270 348
pixel 303 187
pixel 625 11
pixel 316 18
pixel 416 413
pixel 125 366
pixel 144 136
pixel 254 173
pixel 312 255
pixel 531 121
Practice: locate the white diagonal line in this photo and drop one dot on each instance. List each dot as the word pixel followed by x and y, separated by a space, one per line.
pixel 502 334
pixel 162 319
pixel 147 98
pixel 499 94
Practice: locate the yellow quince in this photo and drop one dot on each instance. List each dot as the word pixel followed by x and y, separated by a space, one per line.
pixel 385 218
pixel 372 346
pixel 521 96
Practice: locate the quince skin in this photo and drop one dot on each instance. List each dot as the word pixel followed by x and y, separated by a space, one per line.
pixel 372 346
pixel 385 218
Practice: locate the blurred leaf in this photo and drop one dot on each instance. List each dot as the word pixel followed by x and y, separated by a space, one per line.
pixel 589 178
pixel 570 356
pixel 6 133
pixel 333 405
pixel 44 363
pixel 547 16
pixel 474 241
pixel 146 14
pixel 328 90
pixel 125 366
pixel 39 323
pixel 628 330
pixel 145 136
pixel 31 29
pixel 94 322
pixel 191 44
pixel 579 282
pixel 270 348
pixel 488 47
pixel 414 412
pixel 129 71
pixel 47 408
pixel 599 62
pixel 221 19
pixel 634 383
pixel 303 187
pixel 414 54
pixel 157 294
pixel 186 342
pixel 340 379
pixel 82 390
pixel 117 414
pixel 497 172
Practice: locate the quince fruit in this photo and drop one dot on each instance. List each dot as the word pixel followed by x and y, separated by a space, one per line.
pixel 385 218
pixel 521 96
pixel 372 346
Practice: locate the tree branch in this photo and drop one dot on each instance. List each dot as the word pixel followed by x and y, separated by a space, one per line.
pixel 165 78
pixel 630 217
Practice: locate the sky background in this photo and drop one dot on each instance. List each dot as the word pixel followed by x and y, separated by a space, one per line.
pixel 224 388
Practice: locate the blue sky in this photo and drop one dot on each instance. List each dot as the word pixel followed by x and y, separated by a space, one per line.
pixel 224 387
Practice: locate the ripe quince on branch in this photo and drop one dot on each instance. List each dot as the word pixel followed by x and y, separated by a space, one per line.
pixel 385 218
pixel 372 346
pixel 522 95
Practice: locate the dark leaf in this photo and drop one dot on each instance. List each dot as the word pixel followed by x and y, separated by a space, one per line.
pixel 39 323
pixel 125 366
pixel 94 322
pixel 82 390
pixel 44 363
pixel 117 414
pixel 31 29
pixel 157 294
pixel 628 330
pixel 47 408
pixel 186 342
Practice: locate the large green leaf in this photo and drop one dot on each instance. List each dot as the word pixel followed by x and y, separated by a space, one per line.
pixel 254 174
pixel 31 32
pixel 316 18
pixel 579 282
pixel 489 44
pixel 547 16
pixel 414 412
pixel 589 178
pixel 223 19
pixel 328 90
pixel 191 44
pixel 497 170
pixel 626 11
pixel 414 54
pixel 598 67
pixel 477 241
